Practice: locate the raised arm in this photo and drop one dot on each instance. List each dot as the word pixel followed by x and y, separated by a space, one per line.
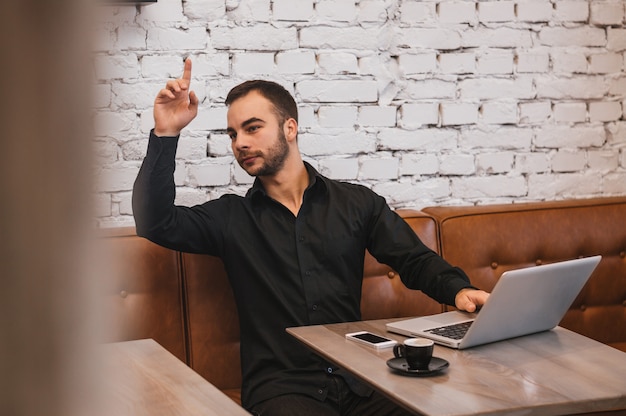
pixel 156 216
pixel 175 105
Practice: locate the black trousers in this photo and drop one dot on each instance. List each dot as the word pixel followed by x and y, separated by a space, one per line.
pixel 341 401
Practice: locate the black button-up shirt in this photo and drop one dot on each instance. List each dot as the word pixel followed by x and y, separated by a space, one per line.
pixel 288 270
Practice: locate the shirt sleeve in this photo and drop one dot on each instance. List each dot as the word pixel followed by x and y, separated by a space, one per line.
pixel 157 218
pixel 393 242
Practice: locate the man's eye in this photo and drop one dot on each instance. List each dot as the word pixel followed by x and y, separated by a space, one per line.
pixel 252 128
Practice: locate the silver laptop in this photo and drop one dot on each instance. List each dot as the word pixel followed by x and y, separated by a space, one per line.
pixel 524 301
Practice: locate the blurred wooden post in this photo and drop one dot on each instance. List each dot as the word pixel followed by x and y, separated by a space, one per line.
pixel 44 208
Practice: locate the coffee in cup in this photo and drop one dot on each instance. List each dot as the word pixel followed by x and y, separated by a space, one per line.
pixel 416 351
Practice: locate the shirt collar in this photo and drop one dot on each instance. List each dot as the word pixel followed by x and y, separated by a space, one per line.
pixel 315 180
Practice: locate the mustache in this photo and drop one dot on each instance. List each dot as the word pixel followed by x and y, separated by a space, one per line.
pixel 245 154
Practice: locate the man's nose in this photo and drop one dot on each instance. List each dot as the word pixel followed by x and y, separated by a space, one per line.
pixel 242 142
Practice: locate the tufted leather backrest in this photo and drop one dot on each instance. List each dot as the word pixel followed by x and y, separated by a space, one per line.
pixel 213 323
pixel 485 241
pixel 142 287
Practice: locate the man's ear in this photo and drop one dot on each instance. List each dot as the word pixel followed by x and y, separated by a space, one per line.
pixel 290 129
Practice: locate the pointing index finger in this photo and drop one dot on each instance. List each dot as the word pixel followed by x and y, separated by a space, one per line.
pixel 187 70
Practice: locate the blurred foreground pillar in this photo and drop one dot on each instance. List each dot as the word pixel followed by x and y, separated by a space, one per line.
pixel 45 318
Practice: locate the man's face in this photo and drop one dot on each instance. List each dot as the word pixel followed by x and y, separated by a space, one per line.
pixel 257 138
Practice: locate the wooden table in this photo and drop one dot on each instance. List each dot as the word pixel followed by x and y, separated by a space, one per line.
pixel 143 378
pixel 551 373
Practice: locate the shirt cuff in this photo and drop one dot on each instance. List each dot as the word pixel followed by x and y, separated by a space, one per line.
pixel 162 137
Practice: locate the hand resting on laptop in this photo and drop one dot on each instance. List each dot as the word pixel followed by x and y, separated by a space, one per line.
pixel 470 300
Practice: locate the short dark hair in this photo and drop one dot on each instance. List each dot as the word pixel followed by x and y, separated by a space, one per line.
pixel 284 104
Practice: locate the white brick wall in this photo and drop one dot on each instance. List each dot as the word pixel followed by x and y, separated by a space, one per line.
pixel 426 102
pixel 457 12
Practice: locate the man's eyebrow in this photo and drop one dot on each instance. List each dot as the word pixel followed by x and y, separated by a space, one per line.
pixel 250 121
pixel 245 123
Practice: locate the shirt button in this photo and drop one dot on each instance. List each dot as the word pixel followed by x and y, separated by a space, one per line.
pixel 330 370
pixel 314 307
pixel 301 238
pixel 320 391
pixel 307 274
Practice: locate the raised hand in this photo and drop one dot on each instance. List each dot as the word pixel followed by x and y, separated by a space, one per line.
pixel 175 105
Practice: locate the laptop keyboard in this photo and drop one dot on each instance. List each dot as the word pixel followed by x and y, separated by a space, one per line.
pixel 455 331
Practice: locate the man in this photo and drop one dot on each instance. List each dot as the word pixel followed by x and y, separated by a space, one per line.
pixel 293 247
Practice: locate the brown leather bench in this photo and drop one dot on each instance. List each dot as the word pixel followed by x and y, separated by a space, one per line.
pixel 185 303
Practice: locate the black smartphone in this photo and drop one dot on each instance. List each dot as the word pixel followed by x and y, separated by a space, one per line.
pixel 370 339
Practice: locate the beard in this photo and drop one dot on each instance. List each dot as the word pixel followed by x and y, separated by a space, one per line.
pixel 273 160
